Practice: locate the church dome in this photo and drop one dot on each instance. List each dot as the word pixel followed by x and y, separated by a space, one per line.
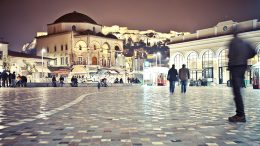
pixel 75 17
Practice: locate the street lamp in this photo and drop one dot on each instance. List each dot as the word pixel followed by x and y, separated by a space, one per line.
pixel 155 55
pixel 43 51
pixel 159 54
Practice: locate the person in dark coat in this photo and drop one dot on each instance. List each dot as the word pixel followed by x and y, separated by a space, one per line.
pixel 24 81
pixel 54 81
pixel 239 52
pixel 61 81
pixel 172 78
pixel 4 78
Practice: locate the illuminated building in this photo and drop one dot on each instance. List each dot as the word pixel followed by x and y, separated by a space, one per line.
pixel 76 39
pixel 205 52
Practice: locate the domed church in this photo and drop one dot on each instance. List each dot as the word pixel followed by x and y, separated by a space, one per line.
pixel 76 39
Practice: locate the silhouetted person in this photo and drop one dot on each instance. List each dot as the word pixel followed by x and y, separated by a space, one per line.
pixel 4 78
pixel 184 75
pixel 172 78
pixel 24 81
pixel 61 81
pixel 54 81
pixel 121 81
pixel 13 77
pixel 239 52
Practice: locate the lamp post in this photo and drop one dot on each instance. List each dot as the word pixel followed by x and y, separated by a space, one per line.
pixel 159 55
pixel 43 51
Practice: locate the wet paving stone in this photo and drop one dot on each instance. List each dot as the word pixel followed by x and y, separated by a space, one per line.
pixel 126 116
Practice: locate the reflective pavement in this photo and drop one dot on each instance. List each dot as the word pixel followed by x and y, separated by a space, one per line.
pixel 126 116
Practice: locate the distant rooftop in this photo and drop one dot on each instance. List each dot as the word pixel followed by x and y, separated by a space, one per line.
pixel 21 54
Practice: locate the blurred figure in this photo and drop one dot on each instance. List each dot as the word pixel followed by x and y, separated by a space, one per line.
pixel 172 78
pixel 61 81
pixel 13 77
pixel 54 81
pixel 184 75
pixel 23 81
pixel 239 52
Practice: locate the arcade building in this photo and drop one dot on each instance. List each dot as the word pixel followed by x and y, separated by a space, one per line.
pixel 205 52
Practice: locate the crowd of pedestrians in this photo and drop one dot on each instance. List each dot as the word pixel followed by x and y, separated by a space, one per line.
pixel 9 79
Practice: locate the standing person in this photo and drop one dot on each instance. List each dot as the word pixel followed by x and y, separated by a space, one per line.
pixel 239 52
pixel 54 81
pixel 0 79
pixel 184 75
pixel 4 78
pixel 13 77
pixel 9 79
pixel 172 78
pixel 61 81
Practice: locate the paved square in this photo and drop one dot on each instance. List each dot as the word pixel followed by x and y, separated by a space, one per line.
pixel 126 116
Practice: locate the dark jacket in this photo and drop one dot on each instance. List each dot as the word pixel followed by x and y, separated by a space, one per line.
pixel 239 52
pixel 172 75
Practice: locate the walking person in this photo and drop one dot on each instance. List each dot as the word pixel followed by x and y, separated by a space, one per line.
pixel 239 52
pixel 54 81
pixel 13 77
pixel 61 81
pixel 172 78
pixel 184 75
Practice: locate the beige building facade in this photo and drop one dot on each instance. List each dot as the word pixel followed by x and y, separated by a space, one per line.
pixel 3 55
pixel 76 39
pixel 205 52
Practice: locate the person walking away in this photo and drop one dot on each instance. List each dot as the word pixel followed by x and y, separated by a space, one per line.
pixel 54 81
pixel 172 78
pixel 239 52
pixel 13 77
pixel 184 75
pixel 61 81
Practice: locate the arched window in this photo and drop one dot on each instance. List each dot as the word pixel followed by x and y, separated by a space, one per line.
pixel 222 59
pixel 192 61
pixel 207 64
pixel 178 61
pixel 207 59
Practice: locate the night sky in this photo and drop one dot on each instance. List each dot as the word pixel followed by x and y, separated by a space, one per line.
pixel 21 19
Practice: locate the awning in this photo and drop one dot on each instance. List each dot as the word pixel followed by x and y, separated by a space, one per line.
pixel 40 69
pixel 79 69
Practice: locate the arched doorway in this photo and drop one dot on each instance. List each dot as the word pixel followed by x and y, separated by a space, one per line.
pixel 223 73
pixel 207 65
pixel 192 65
pixel 94 60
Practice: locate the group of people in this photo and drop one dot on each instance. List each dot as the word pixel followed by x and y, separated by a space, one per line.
pixel 239 52
pixel 8 79
pixel 54 81
pixel 119 81
pixel 133 80
pixel 173 76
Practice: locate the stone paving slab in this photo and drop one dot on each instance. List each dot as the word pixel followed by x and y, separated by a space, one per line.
pixel 135 116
